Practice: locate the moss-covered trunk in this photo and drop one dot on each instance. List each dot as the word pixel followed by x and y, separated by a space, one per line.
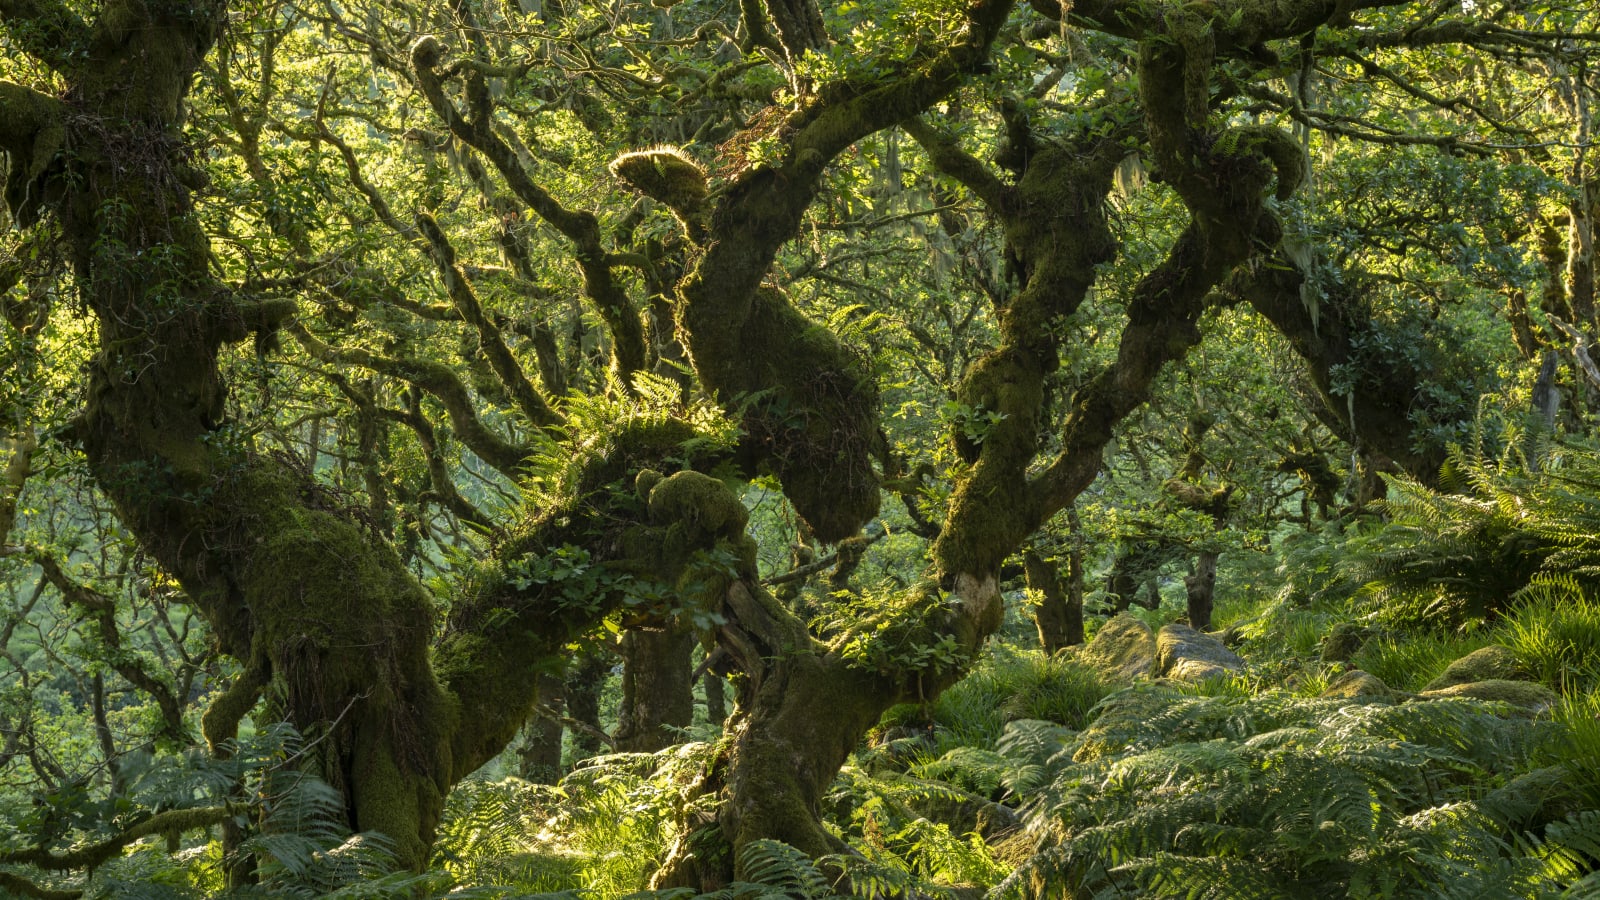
pixel 539 754
pixel 292 583
pixel 657 690
pixel 801 710
pixel 1058 613
pixel 1201 587
pixel 287 580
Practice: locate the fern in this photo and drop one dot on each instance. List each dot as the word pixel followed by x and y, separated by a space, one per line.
pixel 1515 533
pixel 1169 795
pixel 775 864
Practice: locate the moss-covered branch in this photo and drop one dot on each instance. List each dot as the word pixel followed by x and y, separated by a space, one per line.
pixel 220 723
pixel 799 25
pixel 1222 178
pixel 103 610
pixel 616 533
pixel 948 157
pixel 439 380
pixel 1061 191
pixel 580 227
pixel 1236 24
pixel 505 366
pixel 810 408
pixel 848 112
pixel 444 488
pixel 18 467
pixel 1377 413
pixel 89 856
pixel 22 887
pixel 33 135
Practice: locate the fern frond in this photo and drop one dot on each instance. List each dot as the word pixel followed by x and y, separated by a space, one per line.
pixel 778 865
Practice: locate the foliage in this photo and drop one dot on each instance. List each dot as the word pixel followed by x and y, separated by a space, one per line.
pixel 1274 796
pixel 1452 559
pixel 416 274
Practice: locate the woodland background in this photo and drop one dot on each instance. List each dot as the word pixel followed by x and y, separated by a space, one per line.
pixel 779 448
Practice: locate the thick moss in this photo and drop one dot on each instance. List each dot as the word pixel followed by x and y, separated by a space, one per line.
pixel 1527 695
pixel 1493 662
pixel 1124 646
pixel 808 406
pixel 1356 684
pixel 666 175
pixel 1535 799
pixel 614 531
pixel 699 501
pixel 1344 641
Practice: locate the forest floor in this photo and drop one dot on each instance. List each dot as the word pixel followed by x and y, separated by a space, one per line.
pixel 1300 750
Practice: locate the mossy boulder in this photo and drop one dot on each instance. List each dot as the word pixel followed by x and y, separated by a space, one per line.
pixel 1535 799
pixel 1184 654
pixel 1356 684
pixel 1344 641
pixel 1124 647
pixel 1524 694
pixel 1492 663
pixel 962 812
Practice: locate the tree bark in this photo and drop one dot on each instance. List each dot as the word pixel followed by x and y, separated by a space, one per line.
pixel 657 691
pixel 539 756
pixel 291 579
pixel 1201 585
pixel 583 686
pixel 716 699
pixel 1052 612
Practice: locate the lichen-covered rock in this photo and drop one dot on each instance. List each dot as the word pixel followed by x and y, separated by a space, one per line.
pixel 1344 641
pixel 1358 684
pixel 1492 663
pixel 1184 654
pixel 1524 694
pixel 1124 646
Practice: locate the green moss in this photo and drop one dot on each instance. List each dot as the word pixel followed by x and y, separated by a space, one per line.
pixel 1272 143
pixel 1535 799
pixel 699 501
pixel 393 801
pixel 1123 646
pixel 1524 694
pixel 1493 662
pixel 1358 684
pixel 666 175
pixel 808 406
pixel 1344 641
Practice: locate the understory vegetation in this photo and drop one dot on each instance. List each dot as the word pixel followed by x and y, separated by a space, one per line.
pixel 1059 775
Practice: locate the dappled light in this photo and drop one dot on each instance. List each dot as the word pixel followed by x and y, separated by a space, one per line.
pixel 799 449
